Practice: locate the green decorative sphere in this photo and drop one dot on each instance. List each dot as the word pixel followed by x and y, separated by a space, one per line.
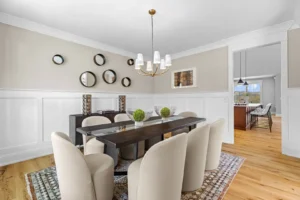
pixel 138 115
pixel 165 112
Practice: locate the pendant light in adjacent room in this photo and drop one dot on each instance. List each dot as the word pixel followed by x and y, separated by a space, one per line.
pixel 246 83
pixel 240 81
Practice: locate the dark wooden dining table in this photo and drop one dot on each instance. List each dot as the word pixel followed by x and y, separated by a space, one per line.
pixel 120 134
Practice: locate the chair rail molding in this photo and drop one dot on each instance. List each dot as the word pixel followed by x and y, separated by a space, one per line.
pixel 28 118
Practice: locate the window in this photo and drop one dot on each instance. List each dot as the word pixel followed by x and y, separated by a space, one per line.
pixel 248 94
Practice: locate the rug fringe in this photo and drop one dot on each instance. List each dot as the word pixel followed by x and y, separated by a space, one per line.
pixel 28 186
pixel 225 191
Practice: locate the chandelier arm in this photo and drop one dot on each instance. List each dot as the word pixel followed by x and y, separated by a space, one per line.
pixel 163 72
pixel 144 73
pixel 156 68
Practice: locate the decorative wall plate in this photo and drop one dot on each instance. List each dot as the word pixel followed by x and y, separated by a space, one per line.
pixel 99 59
pixel 58 59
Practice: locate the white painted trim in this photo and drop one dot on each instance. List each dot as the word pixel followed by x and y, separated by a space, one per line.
pixel 255 77
pixel 46 30
pixel 277 115
pixel 271 31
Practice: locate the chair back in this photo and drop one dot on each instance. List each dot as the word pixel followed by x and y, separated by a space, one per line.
pixel 215 144
pixel 195 160
pixel 121 117
pixel 162 168
pixel 187 114
pixel 267 109
pixel 93 121
pixel 73 174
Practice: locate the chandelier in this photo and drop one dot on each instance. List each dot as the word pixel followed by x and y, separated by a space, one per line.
pixel 157 66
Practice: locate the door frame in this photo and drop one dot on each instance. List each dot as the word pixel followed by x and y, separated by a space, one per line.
pixel 250 43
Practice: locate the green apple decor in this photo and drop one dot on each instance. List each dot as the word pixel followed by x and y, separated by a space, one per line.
pixel 165 112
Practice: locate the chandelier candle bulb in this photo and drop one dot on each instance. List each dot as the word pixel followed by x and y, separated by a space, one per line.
pixel 149 66
pixel 156 59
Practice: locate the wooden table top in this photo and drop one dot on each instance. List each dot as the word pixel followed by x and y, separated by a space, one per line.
pixel 124 133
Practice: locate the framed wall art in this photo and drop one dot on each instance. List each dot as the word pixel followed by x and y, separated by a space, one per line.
pixel 184 78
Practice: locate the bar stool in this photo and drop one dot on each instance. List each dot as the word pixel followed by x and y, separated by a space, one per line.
pixel 262 113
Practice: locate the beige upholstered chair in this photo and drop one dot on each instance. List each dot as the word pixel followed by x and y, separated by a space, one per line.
pixel 215 144
pixel 90 143
pixel 128 152
pixel 186 129
pixel 81 177
pixel 159 174
pixel 187 114
pixel 195 160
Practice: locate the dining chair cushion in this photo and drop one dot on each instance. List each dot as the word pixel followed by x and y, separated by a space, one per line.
pixel 215 144
pixel 195 160
pixel 159 175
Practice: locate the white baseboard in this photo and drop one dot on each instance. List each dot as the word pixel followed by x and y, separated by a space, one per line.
pixel 26 155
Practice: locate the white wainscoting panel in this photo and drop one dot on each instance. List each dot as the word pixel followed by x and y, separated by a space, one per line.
pixel 290 141
pixel 29 117
pixel 56 113
pixel 209 105
pixel 19 125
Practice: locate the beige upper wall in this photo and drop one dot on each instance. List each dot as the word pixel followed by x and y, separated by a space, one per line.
pixel 294 58
pixel 26 63
pixel 212 72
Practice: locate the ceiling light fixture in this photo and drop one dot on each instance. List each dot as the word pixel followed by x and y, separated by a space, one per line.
pixel 240 81
pixel 157 66
pixel 246 83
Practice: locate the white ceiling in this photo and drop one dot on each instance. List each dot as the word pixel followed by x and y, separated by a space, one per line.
pixel 179 25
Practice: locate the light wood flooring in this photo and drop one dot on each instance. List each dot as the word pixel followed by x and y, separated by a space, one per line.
pixel 265 174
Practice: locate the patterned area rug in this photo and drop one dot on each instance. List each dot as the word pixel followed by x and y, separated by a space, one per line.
pixel 43 185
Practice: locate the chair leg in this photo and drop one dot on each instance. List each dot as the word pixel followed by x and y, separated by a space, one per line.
pixel 270 122
pixel 251 121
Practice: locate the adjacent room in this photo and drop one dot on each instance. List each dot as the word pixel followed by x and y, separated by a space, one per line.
pixel 257 88
pixel 149 100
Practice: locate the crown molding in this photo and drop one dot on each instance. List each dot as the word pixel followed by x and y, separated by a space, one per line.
pixel 252 35
pixel 46 30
